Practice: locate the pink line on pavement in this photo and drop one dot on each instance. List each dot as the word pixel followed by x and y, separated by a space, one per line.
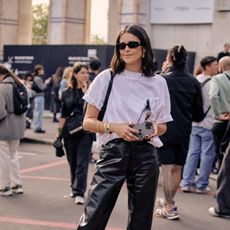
pixel 13 220
pixel 44 166
pixel 46 178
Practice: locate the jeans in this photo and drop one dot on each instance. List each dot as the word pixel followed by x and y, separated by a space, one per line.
pixel 201 147
pixel 38 112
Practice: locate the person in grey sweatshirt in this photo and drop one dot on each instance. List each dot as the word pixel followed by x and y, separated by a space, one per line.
pixel 39 86
pixel 12 129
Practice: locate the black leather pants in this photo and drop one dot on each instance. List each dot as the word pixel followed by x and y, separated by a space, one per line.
pixel 135 162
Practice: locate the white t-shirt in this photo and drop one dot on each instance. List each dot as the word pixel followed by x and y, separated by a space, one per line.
pixel 130 91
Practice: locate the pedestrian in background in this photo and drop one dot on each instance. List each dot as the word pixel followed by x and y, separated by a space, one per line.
pixel 66 76
pixel 220 102
pixel 94 68
pixel 137 95
pixel 201 145
pixel 28 81
pixel 225 52
pixel 222 208
pixel 12 129
pixel 77 145
pixel 39 86
pixel 55 101
pixel 186 106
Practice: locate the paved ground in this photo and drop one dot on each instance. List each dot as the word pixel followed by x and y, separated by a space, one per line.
pixel 46 205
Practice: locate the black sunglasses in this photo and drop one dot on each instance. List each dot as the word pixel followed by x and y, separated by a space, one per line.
pixel 131 45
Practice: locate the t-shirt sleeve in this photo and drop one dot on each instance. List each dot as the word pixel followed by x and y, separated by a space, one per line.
pixel 96 93
pixel 164 112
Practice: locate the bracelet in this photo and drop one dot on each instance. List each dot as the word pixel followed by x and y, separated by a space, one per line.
pixel 98 127
pixel 107 128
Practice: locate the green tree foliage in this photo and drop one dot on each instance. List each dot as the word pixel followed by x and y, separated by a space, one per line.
pixel 97 40
pixel 40 24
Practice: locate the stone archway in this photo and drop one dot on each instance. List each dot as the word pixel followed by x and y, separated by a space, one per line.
pixel 68 22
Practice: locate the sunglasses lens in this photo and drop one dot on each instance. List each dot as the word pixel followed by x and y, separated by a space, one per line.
pixel 133 44
pixel 121 46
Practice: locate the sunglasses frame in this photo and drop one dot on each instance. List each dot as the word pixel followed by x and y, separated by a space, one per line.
pixel 131 45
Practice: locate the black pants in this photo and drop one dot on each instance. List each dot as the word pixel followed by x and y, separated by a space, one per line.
pixel 78 151
pixel 135 162
pixel 218 130
pixel 223 185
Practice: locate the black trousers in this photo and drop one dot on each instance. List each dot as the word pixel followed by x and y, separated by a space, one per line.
pixel 78 152
pixel 135 162
pixel 218 130
pixel 223 185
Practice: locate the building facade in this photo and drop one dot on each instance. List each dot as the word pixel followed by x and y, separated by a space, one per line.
pixel 201 26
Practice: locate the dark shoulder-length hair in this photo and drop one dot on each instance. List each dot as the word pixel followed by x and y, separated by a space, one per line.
pixel 5 71
pixel 148 66
pixel 76 69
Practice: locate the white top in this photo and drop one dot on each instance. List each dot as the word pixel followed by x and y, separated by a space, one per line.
pixel 130 91
pixel 207 122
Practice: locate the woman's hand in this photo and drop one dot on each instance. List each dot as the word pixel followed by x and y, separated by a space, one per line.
pixel 155 132
pixel 84 86
pixel 224 117
pixel 125 131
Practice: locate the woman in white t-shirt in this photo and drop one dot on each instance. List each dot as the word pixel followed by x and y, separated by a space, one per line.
pixel 136 95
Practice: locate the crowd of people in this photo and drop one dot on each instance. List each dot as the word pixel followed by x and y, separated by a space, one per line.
pixel 183 129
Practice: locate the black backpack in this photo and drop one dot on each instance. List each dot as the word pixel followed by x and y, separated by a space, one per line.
pixel 35 88
pixel 20 97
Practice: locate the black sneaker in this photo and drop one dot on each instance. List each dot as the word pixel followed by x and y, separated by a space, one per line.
pixel 39 131
pixel 6 191
pixel 17 189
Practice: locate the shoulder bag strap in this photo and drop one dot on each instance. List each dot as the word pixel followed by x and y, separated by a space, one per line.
pixel 227 76
pixel 204 82
pixel 103 109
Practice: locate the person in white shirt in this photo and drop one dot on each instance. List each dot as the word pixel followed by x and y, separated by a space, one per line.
pixel 137 95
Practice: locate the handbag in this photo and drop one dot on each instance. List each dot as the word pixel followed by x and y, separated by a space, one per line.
pixel 57 144
pixel 73 124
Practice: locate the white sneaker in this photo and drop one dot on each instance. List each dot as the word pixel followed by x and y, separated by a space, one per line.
pixel 203 191
pixel 17 189
pixel 6 191
pixel 212 211
pixel 71 195
pixel 79 200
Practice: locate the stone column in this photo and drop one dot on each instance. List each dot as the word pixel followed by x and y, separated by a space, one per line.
pixel 123 12
pixel 68 21
pixel 25 20
pixel 15 23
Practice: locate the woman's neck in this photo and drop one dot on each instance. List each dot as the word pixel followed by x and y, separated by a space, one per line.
pixel 133 68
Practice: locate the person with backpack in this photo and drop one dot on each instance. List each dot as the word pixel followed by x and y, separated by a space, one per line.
pixel 12 128
pixel 201 146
